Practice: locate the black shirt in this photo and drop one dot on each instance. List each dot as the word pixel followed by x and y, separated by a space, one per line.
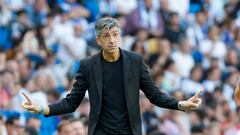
pixel 114 117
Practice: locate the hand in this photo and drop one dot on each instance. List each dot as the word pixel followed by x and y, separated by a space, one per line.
pixel 191 104
pixel 237 94
pixel 30 106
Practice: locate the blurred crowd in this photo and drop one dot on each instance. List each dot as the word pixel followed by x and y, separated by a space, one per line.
pixel 188 45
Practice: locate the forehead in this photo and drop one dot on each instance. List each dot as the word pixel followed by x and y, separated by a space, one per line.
pixel 111 30
pixel 78 123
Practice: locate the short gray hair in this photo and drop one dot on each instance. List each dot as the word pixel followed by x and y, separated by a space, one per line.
pixel 106 23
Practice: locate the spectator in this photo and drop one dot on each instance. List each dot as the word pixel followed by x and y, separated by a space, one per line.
pixel 193 83
pixel 231 61
pixel 73 47
pixel 165 11
pixel 183 59
pixel 78 127
pixel 3 130
pixel 144 16
pixel 159 58
pixel 174 32
pixel 20 25
pixel 236 44
pixel 171 79
pixel 198 31
pixel 5 97
pixel 30 131
pixel 35 123
pixel 228 88
pixel 213 47
pixel 13 126
pixel 112 7
pixel 65 128
pixel 213 79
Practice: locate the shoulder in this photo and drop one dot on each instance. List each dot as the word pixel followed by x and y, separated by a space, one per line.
pixel 132 55
pixel 85 61
pixel 90 60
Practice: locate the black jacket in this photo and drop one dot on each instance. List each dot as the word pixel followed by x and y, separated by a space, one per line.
pixel 136 76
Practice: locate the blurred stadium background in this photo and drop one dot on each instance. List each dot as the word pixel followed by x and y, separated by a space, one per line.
pixel 188 44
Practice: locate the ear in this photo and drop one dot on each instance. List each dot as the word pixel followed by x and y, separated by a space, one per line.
pixel 98 41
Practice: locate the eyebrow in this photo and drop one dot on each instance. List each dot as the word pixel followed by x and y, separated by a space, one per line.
pixel 111 32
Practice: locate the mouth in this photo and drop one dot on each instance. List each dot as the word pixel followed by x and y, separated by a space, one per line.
pixel 112 47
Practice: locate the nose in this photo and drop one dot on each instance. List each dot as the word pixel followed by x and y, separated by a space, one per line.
pixel 111 39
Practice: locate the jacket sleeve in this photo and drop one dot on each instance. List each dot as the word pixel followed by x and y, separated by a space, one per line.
pixel 74 98
pixel 153 93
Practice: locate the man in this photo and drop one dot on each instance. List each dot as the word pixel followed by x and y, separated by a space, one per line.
pixel 35 123
pixel 14 126
pixel 113 78
pixel 78 126
pixel 65 128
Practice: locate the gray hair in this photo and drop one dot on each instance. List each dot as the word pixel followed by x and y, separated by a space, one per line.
pixel 106 23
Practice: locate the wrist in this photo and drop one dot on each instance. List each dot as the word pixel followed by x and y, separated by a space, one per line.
pixel 180 106
pixel 46 110
pixel 41 110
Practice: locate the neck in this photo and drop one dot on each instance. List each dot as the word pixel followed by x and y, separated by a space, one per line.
pixel 111 57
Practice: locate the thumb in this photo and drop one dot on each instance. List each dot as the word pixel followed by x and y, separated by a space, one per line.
pixel 191 104
pixel 31 107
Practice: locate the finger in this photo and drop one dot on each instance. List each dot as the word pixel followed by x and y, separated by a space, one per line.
pixel 25 105
pixel 190 109
pixel 194 108
pixel 199 102
pixel 192 105
pixel 29 107
pixel 28 99
pixel 197 94
pixel 196 100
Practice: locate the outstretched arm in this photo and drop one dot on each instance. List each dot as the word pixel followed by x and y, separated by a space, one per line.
pixel 161 99
pixel 65 105
pixel 153 93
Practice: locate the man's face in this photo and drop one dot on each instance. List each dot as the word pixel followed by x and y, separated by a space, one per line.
pixel 110 40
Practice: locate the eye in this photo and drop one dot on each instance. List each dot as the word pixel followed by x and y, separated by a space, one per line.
pixel 115 34
pixel 105 36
